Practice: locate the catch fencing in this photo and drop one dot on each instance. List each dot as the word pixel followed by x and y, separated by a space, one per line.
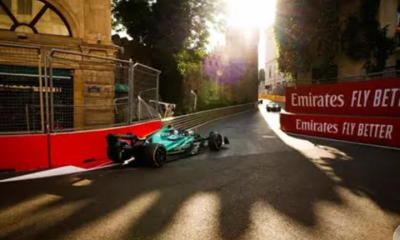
pixel 43 91
pixel 21 89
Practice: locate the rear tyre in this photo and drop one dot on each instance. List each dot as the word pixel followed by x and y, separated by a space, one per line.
pixel 215 141
pixel 268 109
pixel 155 155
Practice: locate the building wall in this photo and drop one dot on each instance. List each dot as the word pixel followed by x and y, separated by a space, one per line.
pixel 388 16
pixel 90 26
pixel 273 78
pixel 242 45
pixel 90 21
pixel 347 67
pixel 241 52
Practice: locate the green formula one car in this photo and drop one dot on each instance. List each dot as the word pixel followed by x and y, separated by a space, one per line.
pixel 166 144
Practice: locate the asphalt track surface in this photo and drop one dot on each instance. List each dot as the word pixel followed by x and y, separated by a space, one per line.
pixel 265 185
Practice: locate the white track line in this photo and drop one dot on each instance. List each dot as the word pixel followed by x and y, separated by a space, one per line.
pixel 342 141
pixel 53 173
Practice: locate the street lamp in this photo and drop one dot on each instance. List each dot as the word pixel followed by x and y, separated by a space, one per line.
pixel 195 99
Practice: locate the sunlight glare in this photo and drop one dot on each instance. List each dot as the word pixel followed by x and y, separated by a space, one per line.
pixel 200 215
pixel 116 224
pixel 251 13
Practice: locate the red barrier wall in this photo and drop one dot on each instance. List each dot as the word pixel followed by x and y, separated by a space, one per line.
pixel 376 131
pixel 23 153
pixel 83 149
pixel 367 98
pixel 88 149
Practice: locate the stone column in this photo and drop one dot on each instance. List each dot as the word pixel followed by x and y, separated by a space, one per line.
pixel 98 84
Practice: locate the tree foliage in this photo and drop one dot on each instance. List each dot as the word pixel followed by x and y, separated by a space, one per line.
pixel 306 34
pixel 175 32
pixel 309 35
pixel 364 39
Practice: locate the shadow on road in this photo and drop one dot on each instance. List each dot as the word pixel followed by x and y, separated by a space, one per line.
pixel 366 171
pixel 146 203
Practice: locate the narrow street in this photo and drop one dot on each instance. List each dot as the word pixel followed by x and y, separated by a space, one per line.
pixel 265 185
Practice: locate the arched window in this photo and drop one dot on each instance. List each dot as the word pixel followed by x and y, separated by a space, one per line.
pixel 32 16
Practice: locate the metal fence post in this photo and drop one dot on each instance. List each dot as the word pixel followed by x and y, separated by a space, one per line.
pixel 51 95
pixel 157 93
pixel 130 93
pixel 139 111
pixel 48 128
pixel 27 117
pixel 41 93
pixel 46 86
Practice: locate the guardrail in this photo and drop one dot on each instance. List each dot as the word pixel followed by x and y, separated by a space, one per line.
pixel 192 120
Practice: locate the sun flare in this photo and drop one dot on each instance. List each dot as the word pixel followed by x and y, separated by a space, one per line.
pixel 251 13
pixel 247 15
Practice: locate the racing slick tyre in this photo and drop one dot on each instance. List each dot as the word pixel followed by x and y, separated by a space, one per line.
pixel 268 109
pixel 155 155
pixel 215 141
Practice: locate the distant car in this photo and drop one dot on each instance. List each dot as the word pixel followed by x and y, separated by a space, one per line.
pixel 260 102
pixel 166 144
pixel 273 107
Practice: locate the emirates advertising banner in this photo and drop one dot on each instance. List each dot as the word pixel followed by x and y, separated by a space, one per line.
pixel 364 112
pixel 366 98
pixel 375 131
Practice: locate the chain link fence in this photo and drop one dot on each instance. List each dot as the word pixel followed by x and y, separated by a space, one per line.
pixel 145 92
pixel 52 91
pixel 106 92
pixel 21 89
pixel 87 89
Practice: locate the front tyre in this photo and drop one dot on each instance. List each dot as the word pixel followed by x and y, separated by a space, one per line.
pixel 155 155
pixel 215 141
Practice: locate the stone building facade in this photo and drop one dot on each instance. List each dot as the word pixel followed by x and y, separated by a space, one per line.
pixel 82 26
pixel 274 82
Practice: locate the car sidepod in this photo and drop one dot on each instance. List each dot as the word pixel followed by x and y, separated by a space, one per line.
pixel 174 144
